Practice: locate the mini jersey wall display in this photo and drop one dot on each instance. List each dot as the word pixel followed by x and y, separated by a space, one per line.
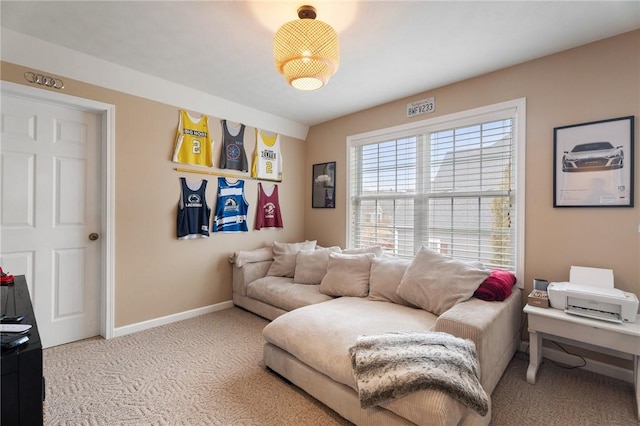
pixel 267 158
pixel 194 144
pixel 231 207
pixel 233 155
pixel 268 215
pixel 193 212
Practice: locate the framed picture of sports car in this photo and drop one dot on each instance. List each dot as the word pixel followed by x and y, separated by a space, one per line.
pixel 593 164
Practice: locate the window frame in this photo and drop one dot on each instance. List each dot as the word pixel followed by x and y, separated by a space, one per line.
pixel 515 108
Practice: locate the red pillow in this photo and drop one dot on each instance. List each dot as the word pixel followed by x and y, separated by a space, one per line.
pixel 497 286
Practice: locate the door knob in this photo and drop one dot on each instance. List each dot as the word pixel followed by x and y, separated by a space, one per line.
pixel 93 236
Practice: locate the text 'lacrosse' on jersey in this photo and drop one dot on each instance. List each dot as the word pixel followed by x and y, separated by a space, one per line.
pixel 267 157
pixel 194 143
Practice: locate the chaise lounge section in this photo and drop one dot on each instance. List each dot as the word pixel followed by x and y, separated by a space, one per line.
pixel 315 324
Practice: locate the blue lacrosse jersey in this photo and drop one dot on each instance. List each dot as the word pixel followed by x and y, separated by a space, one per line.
pixel 231 207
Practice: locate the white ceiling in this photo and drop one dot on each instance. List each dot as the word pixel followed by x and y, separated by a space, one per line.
pixel 389 49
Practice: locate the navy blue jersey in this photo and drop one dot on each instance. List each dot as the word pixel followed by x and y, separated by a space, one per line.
pixel 231 207
pixel 193 212
pixel 233 155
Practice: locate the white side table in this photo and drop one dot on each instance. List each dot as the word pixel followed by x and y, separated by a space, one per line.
pixel 624 338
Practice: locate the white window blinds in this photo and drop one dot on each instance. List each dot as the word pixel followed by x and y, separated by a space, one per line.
pixel 450 187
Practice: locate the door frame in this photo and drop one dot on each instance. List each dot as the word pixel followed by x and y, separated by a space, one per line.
pixel 107 112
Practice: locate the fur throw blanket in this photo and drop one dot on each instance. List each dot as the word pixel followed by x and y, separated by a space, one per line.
pixel 390 365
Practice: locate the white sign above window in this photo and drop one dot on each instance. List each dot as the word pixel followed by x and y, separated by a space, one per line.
pixel 423 106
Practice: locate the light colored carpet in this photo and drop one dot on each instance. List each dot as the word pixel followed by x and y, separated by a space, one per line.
pixel 207 371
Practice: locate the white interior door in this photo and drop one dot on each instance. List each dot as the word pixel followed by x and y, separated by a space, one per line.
pixel 50 204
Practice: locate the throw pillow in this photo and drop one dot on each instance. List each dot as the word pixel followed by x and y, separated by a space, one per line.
pixel 311 265
pixel 497 286
pixel 347 275
pixel 377 250
pixel 386 274
pixel 435 282
pixel 284 257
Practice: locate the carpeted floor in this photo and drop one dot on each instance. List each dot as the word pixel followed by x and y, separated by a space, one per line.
pixel 207 371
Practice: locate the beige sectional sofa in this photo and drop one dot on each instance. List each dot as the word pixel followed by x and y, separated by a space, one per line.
pixel 346 295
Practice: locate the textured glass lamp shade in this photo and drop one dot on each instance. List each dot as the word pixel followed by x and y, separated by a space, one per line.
pixel 307 53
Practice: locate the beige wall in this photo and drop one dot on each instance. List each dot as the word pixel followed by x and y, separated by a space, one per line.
pixel 592 82
pixel 157 275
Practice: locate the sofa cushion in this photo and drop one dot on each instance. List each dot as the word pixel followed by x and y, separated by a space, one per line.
pixel 311 265
pixel 385 277
pixel 435 282
pixel 284 257
pixel 282 293
pixel 320 335
pixel 377 250
pixel 347 275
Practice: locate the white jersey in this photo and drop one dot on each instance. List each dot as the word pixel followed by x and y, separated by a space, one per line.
pixel 267 157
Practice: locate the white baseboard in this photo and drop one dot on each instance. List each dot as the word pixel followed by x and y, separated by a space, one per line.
pixel 592 365
pixel 145 325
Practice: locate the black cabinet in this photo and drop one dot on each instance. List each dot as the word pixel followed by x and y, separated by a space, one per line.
pixel 22 381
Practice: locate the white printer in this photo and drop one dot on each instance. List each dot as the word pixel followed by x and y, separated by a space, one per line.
pixel 590 293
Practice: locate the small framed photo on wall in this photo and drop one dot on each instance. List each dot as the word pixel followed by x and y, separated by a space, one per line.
pixel 593 164
pixel 323 195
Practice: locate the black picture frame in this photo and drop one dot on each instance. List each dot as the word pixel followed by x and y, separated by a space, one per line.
pixel 593 164
pixel 323 186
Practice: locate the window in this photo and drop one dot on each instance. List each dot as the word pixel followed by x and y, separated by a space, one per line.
pixel 453 183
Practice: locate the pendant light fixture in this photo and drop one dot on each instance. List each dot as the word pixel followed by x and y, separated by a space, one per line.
pixel 306 51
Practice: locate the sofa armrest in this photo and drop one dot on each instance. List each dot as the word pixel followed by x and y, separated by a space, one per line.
pixel 240 258
pixel 248 266
pixel 245 275
pixel 494 327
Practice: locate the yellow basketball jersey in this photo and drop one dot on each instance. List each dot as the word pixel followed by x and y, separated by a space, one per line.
pixel 194 144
